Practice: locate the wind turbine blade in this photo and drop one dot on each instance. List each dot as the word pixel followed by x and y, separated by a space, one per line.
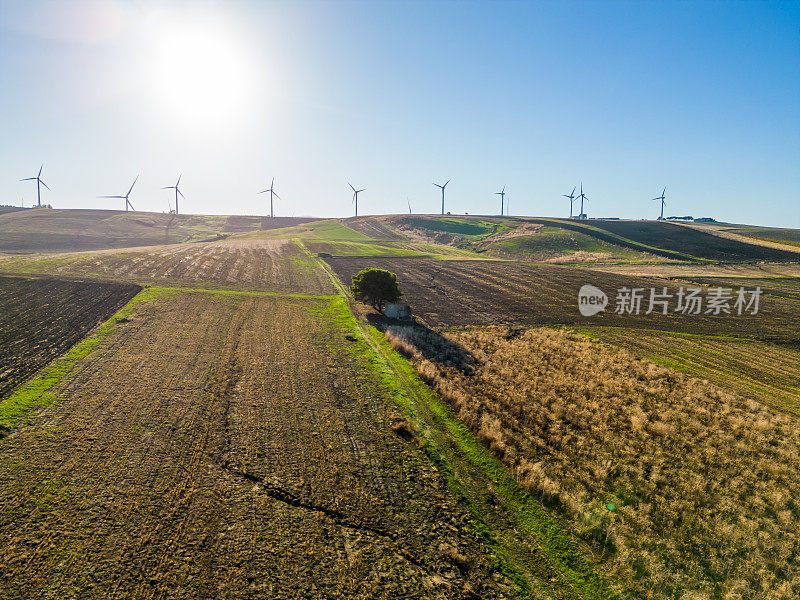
pixel 169 187
pixel 573 191
pixel 264 191
pixel 272 185
pixel 45 185
pixel 276 195
pixel 29 179
pixel 351 186
pixel 133 184
pixel 361 190
pixel 179 180
pixel 445 183
pixel 111 196
pixel 664 191
pixel 180 192
pixel 40 170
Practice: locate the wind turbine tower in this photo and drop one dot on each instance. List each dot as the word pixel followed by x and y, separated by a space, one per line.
pixel 355 195
pixel 39 184
pixel 502 194
pixel 583 197
pixel 442 188
pixel 177 191
pixel 571 198
pixel 663 203
pixel 126 196
pixel 271 190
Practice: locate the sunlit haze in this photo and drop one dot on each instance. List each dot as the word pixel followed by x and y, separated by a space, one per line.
pixel 625 97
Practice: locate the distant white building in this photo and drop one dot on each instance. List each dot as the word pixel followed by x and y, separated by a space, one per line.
pixel 397 310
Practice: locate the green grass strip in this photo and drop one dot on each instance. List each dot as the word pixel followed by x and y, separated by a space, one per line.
pixel 35 393
pixel 527 514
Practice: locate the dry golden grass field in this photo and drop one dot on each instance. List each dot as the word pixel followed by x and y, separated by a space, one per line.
pixel 683 487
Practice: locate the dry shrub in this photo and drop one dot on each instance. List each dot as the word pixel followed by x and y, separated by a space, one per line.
pixel 705 485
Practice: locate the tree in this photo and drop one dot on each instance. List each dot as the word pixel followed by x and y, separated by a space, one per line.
pixel 376 287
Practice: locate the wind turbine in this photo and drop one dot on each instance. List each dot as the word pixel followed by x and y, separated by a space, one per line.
pixel 442 187
pixel 571 197
pixel 663 203
pixel 502 194
pixel 583 197
pixel 39 183
pixel 126 196
pixel 177 191
pixel 272 193
pixel 409 205
pixel 355 195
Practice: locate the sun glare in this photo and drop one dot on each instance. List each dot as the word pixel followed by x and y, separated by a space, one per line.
pixel 201 72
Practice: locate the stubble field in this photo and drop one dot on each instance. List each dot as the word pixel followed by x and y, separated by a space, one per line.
pixel 233 446
pixel 266 265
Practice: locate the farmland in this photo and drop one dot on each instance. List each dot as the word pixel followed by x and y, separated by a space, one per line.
pixel 681 487
pixel 239 433
pixel 692 241
pixel 41 318
pixel 518 239
pixel 46 230
pixel 753 369
pixel 451 293
pixel 231 445
pixel 269 265
pixel 559 245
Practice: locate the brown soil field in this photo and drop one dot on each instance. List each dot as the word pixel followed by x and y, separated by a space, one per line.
pixel 246 224
pixel 689 271
pixel 454 293
pixel 684 489
pixel 373 227
pixel 48 230
pixel 692 241
pixel 229 445
pixel 41 318
pixel 266 265
pixel 781 287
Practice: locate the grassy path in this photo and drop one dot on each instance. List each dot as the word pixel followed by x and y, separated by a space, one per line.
pixel 527 542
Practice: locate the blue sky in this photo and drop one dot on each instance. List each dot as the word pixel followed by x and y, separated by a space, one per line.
pixel 627 97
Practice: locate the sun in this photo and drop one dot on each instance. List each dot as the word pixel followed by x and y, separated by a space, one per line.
pixel 201 71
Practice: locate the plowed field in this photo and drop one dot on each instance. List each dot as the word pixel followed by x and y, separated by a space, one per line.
pixel 41 318
pixel 230 446
pixel 267 265
pixel 677 238
pixel 453 293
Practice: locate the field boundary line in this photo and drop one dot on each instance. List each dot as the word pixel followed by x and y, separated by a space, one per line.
pixel 146 284
pixel 455 450
pixel 34 393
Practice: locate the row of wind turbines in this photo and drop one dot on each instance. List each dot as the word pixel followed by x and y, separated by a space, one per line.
pixel 583 197
pixel 272 195
pixel 126 197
